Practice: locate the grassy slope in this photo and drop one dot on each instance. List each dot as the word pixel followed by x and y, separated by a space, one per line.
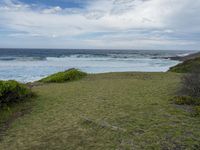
pixel 106 111
pixel 65 76
pixel 186 66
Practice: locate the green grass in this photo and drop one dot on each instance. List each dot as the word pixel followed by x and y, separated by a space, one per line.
pixel 68 75
pixel 197 111
pixel 186 66
pixel 9 113
pixel 105 112
pixel 186 100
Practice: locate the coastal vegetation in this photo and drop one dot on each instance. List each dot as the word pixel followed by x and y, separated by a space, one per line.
pixel 14 99
pixel 66 76
pixel 106 111
pixel 13 91
pixel 186 66
pixel 189 91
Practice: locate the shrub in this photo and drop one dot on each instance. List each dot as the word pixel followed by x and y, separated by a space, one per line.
pixel 12 91
pixel 68 75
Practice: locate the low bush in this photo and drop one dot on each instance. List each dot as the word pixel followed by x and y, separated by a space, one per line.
pixel 13 91
pixel 68 75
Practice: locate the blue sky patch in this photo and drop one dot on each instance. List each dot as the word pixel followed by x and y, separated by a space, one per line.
pixel 60 3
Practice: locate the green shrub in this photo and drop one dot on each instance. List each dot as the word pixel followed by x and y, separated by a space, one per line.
pixel 68 75
pixel 12 91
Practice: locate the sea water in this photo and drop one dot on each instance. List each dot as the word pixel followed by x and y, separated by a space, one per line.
pixel 26 65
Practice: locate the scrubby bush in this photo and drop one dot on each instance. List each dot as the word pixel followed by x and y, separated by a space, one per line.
pixel 68 75
pixel 12 91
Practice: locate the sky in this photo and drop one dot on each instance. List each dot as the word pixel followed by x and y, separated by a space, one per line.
pixel 100 24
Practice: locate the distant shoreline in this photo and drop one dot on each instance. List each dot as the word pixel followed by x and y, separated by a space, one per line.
pixel 184 58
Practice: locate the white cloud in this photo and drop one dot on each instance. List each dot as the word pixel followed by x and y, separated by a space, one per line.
pixel 52 10
pixel 151 22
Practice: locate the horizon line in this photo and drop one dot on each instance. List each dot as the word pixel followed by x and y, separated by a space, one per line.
pixel 102 49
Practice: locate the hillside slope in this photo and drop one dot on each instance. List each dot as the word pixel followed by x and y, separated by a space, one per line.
pixel 186 66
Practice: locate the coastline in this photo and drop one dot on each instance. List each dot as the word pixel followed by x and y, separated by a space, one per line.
pixel 184 58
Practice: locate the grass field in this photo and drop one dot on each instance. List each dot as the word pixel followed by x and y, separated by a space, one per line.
pixel 119 111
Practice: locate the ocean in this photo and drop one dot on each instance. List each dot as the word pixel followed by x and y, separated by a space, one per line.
pixel 27 65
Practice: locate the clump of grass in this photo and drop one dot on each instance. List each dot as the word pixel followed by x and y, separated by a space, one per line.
pixel 197 110
pixel 68 75
pixel 186 100
pixel 13 91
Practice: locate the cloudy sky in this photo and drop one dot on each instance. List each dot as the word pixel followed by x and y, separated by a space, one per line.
pixel 113 24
